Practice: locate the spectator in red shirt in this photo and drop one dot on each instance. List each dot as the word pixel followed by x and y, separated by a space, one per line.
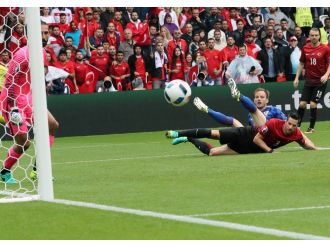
pixel 63 24
pixel 81 69
pixel 112 36
pixel 68 66
pixel 232 20
pixel 184 16
pixel 120 73
pixel 177 65
pixel 101 61
pixel 140 30
pixel 56 40
pixel 214 59
pixel 176 41
pixel 139 65
pixel 91 24
pixel 117 20
pixel 231 50
pixel 18 39
pixel 251 46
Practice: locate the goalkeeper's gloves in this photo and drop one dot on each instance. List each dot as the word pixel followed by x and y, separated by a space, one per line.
pixel 15 116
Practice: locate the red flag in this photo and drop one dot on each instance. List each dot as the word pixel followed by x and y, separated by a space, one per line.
pixel 143 38
pixel 92 74
pixel 192 74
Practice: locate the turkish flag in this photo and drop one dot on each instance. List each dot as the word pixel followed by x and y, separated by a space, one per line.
pixel 192 74
pixel 143 38
pixel 92 74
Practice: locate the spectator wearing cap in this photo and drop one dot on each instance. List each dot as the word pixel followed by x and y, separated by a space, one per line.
pixel 285 29
pixel 196 22
pixel 269 59
pixel 177 41
pixel 289 58
pixel 300 36
pixel 279 39
pixel 106 16
pixel 91 24
pixel 251 46
pixel 232 19
pixel 212 17
pixel 188 35
pixel 238 34
pixel 231 50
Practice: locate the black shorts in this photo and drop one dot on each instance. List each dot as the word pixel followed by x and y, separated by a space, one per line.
pixel 240 139
pixel 313 93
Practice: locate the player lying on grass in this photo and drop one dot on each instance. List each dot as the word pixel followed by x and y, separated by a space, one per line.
pixel 242 140
pixel 16 107
pixel 260 112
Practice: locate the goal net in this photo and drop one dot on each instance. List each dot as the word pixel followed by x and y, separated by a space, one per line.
pixel 23 127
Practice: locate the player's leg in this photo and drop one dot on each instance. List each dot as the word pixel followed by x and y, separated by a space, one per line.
pixel 259 118
pixel 305 97
pixel 193 133
pixel 218 116
pixel 209 150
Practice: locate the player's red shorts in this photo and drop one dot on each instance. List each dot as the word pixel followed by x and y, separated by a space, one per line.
pixel 24 105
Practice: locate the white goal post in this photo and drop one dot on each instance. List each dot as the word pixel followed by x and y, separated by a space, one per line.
pixel 40 114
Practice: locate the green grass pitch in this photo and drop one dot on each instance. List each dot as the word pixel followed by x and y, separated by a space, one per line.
pixel 144 171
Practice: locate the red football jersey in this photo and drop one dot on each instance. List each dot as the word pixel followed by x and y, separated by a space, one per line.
pixel 214 59
pixel 120 69
pixel 274 136
pixel 102 63
pixel 230 53
pixel 316 60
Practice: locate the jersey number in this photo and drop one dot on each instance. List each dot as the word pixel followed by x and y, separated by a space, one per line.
pixel 313 61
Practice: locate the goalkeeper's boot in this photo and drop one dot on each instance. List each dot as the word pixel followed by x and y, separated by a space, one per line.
pixel 8 178
pixel 235 93
pixel 179 140
pixel 171 134
pixel 200 105
pixel 34 175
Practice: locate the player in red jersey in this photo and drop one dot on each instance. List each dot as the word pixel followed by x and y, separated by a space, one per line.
pixel 315 58
pixel 243 140
pixel 16 107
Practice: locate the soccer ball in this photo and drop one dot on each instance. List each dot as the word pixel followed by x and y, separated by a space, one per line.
pixel 177 92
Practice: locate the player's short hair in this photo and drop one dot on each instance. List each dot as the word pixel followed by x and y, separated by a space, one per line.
pixel 260 89
pixel 293 115
pixel 239 20
pixel 315 29
pixel 99 45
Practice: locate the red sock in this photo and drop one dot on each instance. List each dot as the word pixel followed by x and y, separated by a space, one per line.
pixel 51 140
pixel 11 159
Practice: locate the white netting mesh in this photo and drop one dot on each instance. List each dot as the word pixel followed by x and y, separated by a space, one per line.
pixel 15 182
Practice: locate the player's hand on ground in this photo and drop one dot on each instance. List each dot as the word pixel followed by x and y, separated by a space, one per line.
pixel 15 116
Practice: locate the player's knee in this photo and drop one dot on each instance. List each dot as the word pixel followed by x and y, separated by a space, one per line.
pixel 26 145
pixel 53 126
pixel 313 104
pixel 303 104
pixel 212 152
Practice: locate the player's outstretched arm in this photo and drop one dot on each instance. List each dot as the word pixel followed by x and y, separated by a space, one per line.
pixel 259 140
pixel 309 145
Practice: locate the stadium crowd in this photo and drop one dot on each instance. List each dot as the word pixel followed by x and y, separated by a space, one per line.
pixel 119 49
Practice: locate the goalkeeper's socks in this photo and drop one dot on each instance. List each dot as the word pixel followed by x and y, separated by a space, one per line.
pixel 221 118
pixel 201 146
pixel 301 113
pixel 51 140
pixel 4 171
pixel 11 159
pixel 248 103
pixel 195 133
pixel 35 166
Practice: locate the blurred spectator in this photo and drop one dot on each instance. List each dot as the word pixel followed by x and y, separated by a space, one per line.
pixel 79 17
pixel 159 66
pixel 97 18
pixel 68 66
pixel 112 36
pixel 251 46
pixel 271 22
pixel 194 45
pixel 253 12
pixel 63 24
pixel 166 36
pixel 289 58
pixel 258 25
pixel 202 47
pixel 140 31
pixel 184 16
pixel 112 53
pixel 106 16
pixel 81 69
pixel 285 29
pixel 78 39
pixel 127 13
pixel 153 36
pixel 304 19
pixel 232 20
pixel 202 78
pixel 269 58
pixel 212 18
pixel 127 46
pixel 56 40
pixel 270 32
pixel 214 59
pixel 56 13
pixel 279 39
pixel 244 68
pixel 225 28
pixel 188 35
pixel 231 50
pixel 300 36
pixel 276 14
pixel 154 21
pixel 219 44
pixel 177 65
pixel 18 39
pixel 238 34
pixel 176 42
pixel 91 24
pixel 162 16
pixel 143 13
pixel 217 27
pixel 45 16
pixel 50 58
pixel 254 34
pixel 4 58
pixel 120 73
pixel 98 39
pixel 117 20
pixel 101 61
pixel 139 66
pixel 196 21
pixel 69 45
pixel 325 31
pixel 329 40
pixel 171 27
